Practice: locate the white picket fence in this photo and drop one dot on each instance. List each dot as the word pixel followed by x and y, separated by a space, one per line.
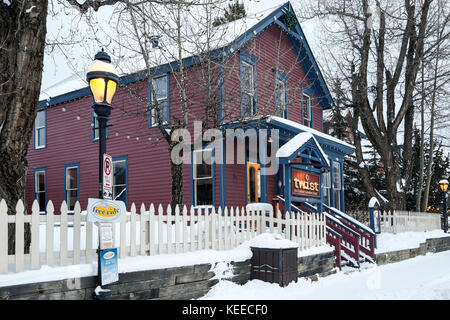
pixel 404 221
pixel 69 239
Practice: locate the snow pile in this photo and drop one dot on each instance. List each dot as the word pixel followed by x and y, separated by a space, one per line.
pixel 406 240
pixel 272 241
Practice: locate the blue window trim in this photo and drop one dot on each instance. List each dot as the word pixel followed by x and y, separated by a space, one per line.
pixel 246 57
pixel 71 165
pixel 213 167
pixel 308 91
pixel 124 158
pixel 35 170
pixel 157 75
pixel 282 76
pixel 40 108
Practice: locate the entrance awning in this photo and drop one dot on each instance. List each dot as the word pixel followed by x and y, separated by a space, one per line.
pixel 302 145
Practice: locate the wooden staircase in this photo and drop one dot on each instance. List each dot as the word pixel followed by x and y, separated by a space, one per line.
pixel 353 241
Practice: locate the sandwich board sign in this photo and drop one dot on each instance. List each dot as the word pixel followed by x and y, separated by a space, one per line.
pixel 107 176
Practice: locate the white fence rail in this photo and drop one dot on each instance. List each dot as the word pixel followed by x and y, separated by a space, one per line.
pixel 403 221
pixel 61 239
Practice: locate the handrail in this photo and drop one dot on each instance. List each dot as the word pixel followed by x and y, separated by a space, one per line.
pixel 349 219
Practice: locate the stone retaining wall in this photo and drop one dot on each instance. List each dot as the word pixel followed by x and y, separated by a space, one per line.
pixel 430 245
pixel 189 282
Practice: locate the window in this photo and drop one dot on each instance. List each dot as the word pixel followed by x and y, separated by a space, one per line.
pixel 72 185
pixel 306 105
pixel 280 95
pixel 40 188
pixel 248 89
pixel 120 180
pixel 39 129
pixel 202 176
pixel 326 188
pixel 337 184
pixel 160 85
pixel 95 126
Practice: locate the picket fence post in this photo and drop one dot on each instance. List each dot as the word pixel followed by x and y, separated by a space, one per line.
pixel 35 229
pixel 63 234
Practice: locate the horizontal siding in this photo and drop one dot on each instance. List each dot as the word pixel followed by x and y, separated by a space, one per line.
pixel 149 180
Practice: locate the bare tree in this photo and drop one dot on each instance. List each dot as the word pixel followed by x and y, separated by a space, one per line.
pixel 381 47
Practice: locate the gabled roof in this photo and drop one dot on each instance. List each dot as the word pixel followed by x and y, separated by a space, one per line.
pixel 244 30
pixel 295 148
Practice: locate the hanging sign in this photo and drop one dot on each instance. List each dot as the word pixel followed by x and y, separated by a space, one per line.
pixel 305 184
pixel 103 210
pixel 109 266
pixel 107 176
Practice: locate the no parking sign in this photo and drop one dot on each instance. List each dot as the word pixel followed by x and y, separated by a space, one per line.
pixel 107 176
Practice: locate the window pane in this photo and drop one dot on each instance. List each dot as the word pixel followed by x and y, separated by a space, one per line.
pixel 40 181
pixel 306 107
pixel 204 191
pixel 160 87
pixel 120 173
pixel 41 200
pixel 96 127
pixel 202 162
pixel 119 190
pixel 72 178
pixel 247 105
pixel 72 197
pixel 336 175
pixel 247 78
pixel 40 119
pixel 40 137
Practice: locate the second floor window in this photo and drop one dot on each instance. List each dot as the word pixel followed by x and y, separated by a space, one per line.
pixel 71 187
pixel 248 89
pixel 39 129
pixel 306 105
pixel 280 98
pixel 160 85
pixel 95 129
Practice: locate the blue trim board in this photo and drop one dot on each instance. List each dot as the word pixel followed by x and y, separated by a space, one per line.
pixel 296 37
pixel 222 175
pixel 70 165
pixel 123 158
pixel 35 170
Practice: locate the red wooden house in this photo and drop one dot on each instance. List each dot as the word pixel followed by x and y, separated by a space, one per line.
pixel 279 86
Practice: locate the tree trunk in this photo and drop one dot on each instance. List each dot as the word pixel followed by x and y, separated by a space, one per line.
pixel 22 38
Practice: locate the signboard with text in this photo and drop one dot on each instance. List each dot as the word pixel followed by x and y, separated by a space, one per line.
pixel 103 210
pixel 109 267
pixel 305 184
pixel 107 176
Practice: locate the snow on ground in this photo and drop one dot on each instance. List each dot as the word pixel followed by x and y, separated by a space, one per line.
pixel 220 260
pixel 406 240
pixel 423 277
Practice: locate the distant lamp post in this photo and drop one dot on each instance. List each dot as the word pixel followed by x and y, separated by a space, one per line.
pixel 103 79
pixel 443 184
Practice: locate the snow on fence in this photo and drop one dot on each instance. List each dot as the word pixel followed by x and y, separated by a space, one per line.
pixel 403 221
pixel 65 238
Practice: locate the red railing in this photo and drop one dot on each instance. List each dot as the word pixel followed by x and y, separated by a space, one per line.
pixel 367 236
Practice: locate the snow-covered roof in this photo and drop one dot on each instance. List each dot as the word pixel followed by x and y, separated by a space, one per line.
pixel 221 37
pixel 296 143
pixel 315 132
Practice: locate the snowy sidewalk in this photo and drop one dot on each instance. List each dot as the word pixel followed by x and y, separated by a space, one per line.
pixel 423 277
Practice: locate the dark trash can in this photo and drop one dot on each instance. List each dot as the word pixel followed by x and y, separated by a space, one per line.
pixel 274 265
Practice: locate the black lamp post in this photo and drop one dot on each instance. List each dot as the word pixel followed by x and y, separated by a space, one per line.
pixel 443 184
pixel 103 79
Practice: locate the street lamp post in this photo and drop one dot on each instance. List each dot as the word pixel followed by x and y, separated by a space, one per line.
pixel 443 184
pixel 103 79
